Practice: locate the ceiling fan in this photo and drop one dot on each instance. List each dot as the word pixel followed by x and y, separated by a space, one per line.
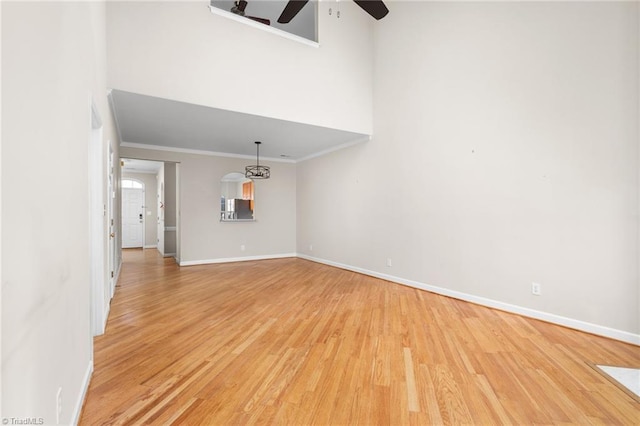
pixel 240 6
pixel 375 8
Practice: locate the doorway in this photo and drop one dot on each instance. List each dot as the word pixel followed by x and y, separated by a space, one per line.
pixel 133 205
pixel 160 214
pixel 102 257
pixel 111 202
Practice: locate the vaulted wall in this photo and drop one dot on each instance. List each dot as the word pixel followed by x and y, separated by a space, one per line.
pixel 53 66
pixel 505 152
pixel 181 51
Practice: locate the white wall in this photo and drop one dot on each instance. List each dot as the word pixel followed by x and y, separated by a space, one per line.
pixel 150 205
pixel 202 236
pixel 53 61
pixel 1 224
pixel 188 54
pixel 511 130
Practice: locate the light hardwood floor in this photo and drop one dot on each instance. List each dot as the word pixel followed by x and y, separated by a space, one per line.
pixel 289 341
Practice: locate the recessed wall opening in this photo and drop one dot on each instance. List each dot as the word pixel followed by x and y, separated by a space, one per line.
pixel 265 14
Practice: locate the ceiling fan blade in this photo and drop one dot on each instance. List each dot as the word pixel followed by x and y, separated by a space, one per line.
pixel 261 20
pixel 291 10
pixel 241 5
pixel 375 8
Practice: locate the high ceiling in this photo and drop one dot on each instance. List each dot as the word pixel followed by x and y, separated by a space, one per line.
pixel 148 121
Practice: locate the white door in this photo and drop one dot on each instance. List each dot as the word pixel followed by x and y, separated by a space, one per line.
pixel 111 197
pixel 132 217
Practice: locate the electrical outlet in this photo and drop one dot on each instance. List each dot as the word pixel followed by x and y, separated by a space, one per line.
pixel 389 263
pixel 310 247
pixel 535 289
pixel 242 247
pixel 58 405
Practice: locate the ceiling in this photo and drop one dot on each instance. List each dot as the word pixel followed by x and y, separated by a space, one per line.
pixel 146 121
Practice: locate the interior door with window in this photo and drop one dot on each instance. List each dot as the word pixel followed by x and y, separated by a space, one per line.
pixel 132 217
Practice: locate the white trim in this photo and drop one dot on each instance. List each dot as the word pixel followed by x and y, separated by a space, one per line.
pixel 587 327
pixel 85 387
pixel 96 121
pixel 242 156
pixel 263 27
pixel 169 255
pixel 115 252
pixel 245 157
pixel 335 148
pixel 236 259
pixel 151 246
pixel 97 214
pixel 197 152
pixel 107 309
pixel 115 279
pixel 114 115
pixel 178 214
pixel 142 172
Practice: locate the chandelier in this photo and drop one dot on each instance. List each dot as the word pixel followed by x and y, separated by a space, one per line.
pixel 257 171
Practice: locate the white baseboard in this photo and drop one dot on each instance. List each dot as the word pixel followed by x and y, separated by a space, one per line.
pixel 106 316
pixel 150 246
pixel 85 387
pixel 623 336
pixel 118 269
pixel 115 283
pixel 235 259
pixel 169 255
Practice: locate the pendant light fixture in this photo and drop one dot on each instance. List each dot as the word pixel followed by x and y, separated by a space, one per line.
pixel 257 171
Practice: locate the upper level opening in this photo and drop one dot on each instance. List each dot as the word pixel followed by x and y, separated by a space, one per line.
pixel 264 15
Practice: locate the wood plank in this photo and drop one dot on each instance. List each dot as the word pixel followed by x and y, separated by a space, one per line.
pixel 288 341
pixel 410 380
